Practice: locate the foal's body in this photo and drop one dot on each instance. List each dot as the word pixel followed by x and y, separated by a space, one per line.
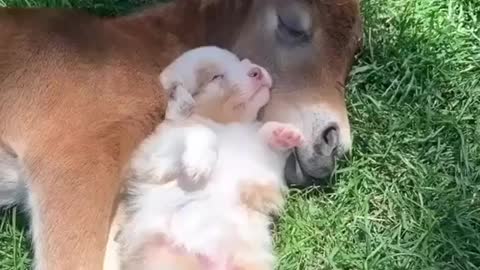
pixel 79 93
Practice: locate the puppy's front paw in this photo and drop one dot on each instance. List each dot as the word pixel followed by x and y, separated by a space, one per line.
pixel 198 165
pixel 282 136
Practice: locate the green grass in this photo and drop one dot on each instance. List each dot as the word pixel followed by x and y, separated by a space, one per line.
pixel 408 195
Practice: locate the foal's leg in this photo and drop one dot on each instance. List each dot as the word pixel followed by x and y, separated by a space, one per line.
pixel 72 194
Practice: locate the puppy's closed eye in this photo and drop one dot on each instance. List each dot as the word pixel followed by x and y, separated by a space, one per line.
pixel 217 77
pixel 195 93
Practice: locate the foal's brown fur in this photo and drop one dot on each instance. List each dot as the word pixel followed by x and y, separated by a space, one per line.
pixel 78 93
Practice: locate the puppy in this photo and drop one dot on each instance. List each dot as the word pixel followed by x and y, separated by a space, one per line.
pixel 202 188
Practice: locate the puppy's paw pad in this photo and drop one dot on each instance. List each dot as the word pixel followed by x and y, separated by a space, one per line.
pixel 286 136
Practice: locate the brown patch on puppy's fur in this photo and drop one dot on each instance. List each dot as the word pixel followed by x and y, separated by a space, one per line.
pixel 211 110
pixel 220 114
pixel 266 199
pixel 205 73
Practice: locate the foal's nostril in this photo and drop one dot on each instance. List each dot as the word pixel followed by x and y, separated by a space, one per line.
pixel 255 73
pixel 327 142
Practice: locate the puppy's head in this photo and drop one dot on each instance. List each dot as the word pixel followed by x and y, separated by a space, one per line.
pixel 215 78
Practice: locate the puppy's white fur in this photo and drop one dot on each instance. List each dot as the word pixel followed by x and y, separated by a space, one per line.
pixel 211 218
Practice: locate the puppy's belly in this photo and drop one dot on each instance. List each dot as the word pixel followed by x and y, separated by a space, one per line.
pixel 200 221
pixel 162 254
pixel 208 223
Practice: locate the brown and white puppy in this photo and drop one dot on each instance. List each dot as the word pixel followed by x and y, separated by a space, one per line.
pixel 212 83
pixel 202 189
pixel 78 93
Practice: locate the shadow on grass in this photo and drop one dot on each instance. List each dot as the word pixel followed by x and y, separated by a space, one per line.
pixel 456 232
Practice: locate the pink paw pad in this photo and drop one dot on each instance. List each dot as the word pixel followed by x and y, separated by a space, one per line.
pixel 286 137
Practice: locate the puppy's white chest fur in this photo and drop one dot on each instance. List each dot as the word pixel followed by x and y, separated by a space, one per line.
pixel 212 220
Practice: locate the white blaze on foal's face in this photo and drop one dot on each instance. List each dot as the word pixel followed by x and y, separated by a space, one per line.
pixel 213 81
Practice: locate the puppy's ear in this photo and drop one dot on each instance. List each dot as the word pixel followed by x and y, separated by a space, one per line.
pixel 179 73
pixel 180 104
pixel 169 80
pixel 179 80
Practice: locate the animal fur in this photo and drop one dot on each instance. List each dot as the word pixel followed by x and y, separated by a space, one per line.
pixel 225 221
pixel 79 93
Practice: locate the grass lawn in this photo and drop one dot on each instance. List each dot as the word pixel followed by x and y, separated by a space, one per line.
pixel 408 196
